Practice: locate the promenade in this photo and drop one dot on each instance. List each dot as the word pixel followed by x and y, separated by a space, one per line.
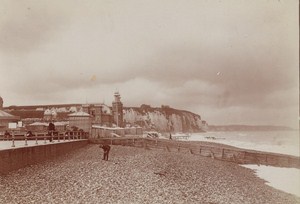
pixel 8 144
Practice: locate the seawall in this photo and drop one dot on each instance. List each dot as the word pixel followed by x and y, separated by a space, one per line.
pixel 16 158
pixel 214 151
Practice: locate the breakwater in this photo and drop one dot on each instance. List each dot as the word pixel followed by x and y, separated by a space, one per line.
pixel 214 151
pixel 16 158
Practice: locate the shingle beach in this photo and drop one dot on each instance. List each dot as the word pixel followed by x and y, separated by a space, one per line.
pixel 137 175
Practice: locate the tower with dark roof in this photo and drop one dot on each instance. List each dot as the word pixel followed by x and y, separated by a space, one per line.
pixel 117 110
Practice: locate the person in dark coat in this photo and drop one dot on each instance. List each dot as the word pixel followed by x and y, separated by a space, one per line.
pixel 29 134
pixel 106 149
pixel 7 135
pixel 51 129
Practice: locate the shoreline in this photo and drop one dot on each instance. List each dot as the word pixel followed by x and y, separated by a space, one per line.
pixel 274 175
pixel 136 175
pixel 274 144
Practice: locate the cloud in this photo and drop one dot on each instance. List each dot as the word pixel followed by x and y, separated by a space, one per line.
pixel 220 59
pixel 25 26
pixel 250 115
pixel 242 81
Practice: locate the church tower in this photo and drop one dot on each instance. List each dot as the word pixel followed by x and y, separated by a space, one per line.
pixel 117 110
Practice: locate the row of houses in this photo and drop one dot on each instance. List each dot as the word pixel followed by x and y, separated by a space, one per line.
pixel 97 119
pixel 6 119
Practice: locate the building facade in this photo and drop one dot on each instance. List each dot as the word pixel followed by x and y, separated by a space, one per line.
pixel 1 103
pixel 80 120
pixel 100 114
pixel 6 118
pixel 103 115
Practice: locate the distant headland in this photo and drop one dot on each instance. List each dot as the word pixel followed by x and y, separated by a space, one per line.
pixel 249 128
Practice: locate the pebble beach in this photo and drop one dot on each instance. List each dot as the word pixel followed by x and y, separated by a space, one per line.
pixel 137 175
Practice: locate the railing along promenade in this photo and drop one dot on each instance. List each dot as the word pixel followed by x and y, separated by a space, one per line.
pixel 20 150
pixel 217 151
pixel 44 137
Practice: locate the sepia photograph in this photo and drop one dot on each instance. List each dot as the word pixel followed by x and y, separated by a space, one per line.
pixel 149 102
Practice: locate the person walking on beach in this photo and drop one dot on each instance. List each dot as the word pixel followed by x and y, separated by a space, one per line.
pixel 106 149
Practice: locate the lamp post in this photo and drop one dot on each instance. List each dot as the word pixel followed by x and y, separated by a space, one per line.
pixel 117 115
pixel 13 139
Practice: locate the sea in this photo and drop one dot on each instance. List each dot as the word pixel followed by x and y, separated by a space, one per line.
pixel 283 142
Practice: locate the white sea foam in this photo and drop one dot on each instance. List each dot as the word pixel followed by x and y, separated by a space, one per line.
pixel 284 179
pixel 276 142
pixel 285 142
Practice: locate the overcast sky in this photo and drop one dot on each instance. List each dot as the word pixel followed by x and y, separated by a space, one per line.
pixel 232 62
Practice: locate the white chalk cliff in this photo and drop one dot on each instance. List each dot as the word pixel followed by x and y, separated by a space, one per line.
pixel 164 119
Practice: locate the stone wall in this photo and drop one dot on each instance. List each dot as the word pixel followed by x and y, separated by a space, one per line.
pixel 214 151
pixel 13 159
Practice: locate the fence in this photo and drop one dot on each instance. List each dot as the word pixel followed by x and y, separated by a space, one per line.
pixel 59 136
pixel 237 155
